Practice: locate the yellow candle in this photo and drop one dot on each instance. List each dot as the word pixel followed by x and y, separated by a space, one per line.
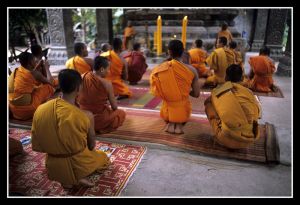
pixel 155 41
pixel 183 35
pixel 159 36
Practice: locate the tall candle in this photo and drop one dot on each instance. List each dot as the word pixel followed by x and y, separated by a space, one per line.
pixel 183 36
pixel 159 36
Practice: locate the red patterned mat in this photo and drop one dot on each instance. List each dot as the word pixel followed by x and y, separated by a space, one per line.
pixel 148 127
pixel 28 176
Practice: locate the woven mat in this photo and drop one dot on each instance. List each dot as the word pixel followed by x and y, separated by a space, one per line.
pixel 148 127
pixel 28 175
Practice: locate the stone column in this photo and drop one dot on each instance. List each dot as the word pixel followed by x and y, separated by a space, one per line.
pixel 284 67
pixel 59 24
pixel 275 32
pixel 260 29
pixel 104 26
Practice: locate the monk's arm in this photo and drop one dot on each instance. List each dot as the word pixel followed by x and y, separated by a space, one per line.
pixel 195 92
pixel 91 139
pixel 39 76
pixel 125 69
pixel 111 97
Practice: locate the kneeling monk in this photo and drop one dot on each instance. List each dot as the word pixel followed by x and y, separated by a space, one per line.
pixel 96 91
pixel 174 81
pixel 118 70
pixel 28 88
pixel 67 135
pixel 233 111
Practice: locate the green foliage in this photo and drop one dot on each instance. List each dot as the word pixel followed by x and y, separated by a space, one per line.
pixel 87 18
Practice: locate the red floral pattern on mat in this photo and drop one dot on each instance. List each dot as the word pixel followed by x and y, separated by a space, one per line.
pixel 28 175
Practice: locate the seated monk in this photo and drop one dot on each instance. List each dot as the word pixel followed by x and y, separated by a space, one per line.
pixel 38 54
pixel 218 61
pixel 136 64
pixel 233 112
pixel 198 57
pixel 95 93
pixel 66 134
pixel 262 68
pixel 238 57
pixel 117 70
pixel 174 81
pixel 28 88
pixel 80 62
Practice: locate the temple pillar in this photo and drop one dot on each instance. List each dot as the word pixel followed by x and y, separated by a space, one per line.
pixel 260 29
pixel 284 67
pixel 61 35
pixel 104 26
pixel 275 32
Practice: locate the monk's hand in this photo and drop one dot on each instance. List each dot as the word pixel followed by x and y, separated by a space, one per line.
pixel 47 65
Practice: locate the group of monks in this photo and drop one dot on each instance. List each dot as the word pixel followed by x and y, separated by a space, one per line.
pixel 65 127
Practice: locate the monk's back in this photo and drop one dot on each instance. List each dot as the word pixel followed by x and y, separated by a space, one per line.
pixel 197 55
pixel 261 65
pixel 94 96
pixel 24 81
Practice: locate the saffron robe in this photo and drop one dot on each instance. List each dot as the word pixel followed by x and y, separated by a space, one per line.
pixel 263 68
pixel 227 34
pixel 136 66
pixel 26 93
pixel 234 128
pixel 60 129
pixel 217 61
pixel 129 32
pixel 78 63
pixel 94 97
pixel 172 81
pixel 198 57
pixel 115 72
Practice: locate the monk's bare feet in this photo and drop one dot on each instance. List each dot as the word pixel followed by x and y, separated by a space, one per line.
pixel 85 183
pixel 178 128
pixel 171 128
pixel 166 127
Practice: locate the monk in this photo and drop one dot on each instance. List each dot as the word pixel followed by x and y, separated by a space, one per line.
pixel 136 64
pixel 80 62
pixel 96 92
pixel 198 57
pixel 40 55
pixel 174 81
pixel 224 32
pixel 129 33
pixel 233 112
pixel 66 134
pixel 238 57
pixel 262 68
pixel 117 70
pixel 28 88
pixel 218 61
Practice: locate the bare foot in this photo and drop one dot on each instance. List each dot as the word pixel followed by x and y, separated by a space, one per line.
pixel 166 127
pixel 178 128
pixel 171 128
pixel 85 183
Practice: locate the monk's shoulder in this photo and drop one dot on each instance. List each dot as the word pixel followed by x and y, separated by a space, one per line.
pixel 191 68
pixel 106 84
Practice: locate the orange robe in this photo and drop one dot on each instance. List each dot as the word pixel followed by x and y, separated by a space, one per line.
pixel 136 66
pixel 226 34
pixel 128 33
pixel 198 57
pixel 26 94
pixel 263 68
pixel 217 61
pixel 234 128
pixel 94 98
pixel 115 72
pixel 60 130
pixel 172 81
pixel 78 63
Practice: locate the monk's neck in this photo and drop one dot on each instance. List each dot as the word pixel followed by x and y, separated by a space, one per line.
pixel 69 98
pixel 178 59
pixel 98 74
